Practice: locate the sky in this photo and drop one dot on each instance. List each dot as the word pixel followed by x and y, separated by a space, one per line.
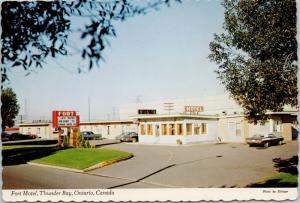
pixel 158 56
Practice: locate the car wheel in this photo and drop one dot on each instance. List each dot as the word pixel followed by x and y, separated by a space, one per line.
pixel 280 142
pixel 250 145
pixel 266 144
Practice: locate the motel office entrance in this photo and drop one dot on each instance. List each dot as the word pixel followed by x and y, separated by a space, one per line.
pixel 170 129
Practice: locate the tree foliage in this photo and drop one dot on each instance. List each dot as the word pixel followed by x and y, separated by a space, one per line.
pixel 9 108
pixel 32 31
pixel 257 53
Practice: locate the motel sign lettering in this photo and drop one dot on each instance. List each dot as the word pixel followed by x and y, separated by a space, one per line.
pixel 193 109
pixel 65 119
pixel 66 113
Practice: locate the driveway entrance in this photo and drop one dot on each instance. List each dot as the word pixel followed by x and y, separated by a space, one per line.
pixel 204 165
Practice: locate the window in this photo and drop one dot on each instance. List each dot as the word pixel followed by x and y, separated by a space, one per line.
pixel 164 129
pixel 189 128
pixel 238 129
pixel 179 129
pixel 196 129
pixel 143 132
pixel 149 129
pixel 235 129
pixel 108 130
pixel 203 128
pixel 277 126
pixel 171 129
pixel 38 131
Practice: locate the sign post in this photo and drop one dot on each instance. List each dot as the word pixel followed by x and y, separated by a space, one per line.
pixel 74 135
pixel 65 119
pixel 59 137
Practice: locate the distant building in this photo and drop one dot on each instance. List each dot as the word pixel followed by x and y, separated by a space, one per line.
pixel 11 130
pixel 211 105
pixel 41 130
pixel 109 129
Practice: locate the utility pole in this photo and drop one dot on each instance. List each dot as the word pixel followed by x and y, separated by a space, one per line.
pixel 114 113
pixel 25 110
pixel 138 99
pixel 89 108
pixel 169 106
pixel 21 116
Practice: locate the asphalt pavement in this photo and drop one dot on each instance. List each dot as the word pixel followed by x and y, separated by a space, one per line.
pixel 202 165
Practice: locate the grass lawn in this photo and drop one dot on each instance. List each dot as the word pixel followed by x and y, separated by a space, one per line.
pixel 283 178
pixel 278 180
pixel 81 158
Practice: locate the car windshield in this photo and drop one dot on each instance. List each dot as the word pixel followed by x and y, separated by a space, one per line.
pixel 271 135
pixel 257 136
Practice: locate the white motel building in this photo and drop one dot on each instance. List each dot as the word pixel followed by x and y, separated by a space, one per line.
pixel 208 119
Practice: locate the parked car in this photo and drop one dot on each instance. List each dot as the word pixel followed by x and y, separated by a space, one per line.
pixel 16 136
pixel 4 136
pixel 264 140
pixel 90 135
pixel 128 137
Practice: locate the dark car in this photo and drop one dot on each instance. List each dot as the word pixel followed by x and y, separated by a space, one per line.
pixel 128 137
pixel 4 136
pixel 90 135
pixel 16 136
pixel 264 140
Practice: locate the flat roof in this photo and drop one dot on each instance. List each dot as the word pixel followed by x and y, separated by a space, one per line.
pixel 34 124
pixel 11 129
pixel 176 116
pixel 106 122
pixel 294 113
pixel 148 116
pixel 82 123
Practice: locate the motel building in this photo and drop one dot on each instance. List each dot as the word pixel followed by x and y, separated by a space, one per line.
pixel 107 129
pixel 184 128
pixel 181 121
pixel 177 128
pixel 207 119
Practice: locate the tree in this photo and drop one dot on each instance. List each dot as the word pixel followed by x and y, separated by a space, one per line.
pixel 9 108
pixel 257 53
pixel 32 31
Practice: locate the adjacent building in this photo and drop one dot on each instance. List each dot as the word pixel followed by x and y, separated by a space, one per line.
pixel 109 129
pixel 42 130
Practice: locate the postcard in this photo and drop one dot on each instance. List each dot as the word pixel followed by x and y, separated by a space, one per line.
pixel 149 100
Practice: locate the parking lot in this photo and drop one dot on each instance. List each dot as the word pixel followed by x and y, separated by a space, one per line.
pixel 201 165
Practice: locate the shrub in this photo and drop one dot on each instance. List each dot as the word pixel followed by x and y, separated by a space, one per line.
pixel 87 144
pixel 81 143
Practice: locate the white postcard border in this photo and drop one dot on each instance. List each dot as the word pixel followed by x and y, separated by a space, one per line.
pixel 134 195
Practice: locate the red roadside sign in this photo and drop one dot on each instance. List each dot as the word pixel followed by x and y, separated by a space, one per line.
pixel 65 119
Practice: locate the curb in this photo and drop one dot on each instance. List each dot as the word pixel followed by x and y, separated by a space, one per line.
pixel 106 163
pixel 99 165
pixel 56 167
